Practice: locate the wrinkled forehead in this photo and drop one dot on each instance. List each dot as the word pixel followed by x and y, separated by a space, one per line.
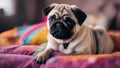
pixel 61 10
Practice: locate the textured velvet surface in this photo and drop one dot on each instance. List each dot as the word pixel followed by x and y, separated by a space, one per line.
pixel 23 57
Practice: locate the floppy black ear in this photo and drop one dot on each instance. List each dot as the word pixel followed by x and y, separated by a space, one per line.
pixel 79 14
pixel 47 9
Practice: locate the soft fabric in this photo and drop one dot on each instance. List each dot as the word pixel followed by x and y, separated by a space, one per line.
pixel 35 35
pixel 17 61
pixel 115 35
pixel 23 57
pixel 25 34
pixel 9 37
pixel 40 37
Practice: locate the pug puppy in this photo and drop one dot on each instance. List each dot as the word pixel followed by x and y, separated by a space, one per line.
pixel 67 33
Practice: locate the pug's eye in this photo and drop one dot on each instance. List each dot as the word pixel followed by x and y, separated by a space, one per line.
pixel 70 22
pixel 52 18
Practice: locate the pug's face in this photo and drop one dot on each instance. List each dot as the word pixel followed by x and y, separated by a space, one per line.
pixel 62 20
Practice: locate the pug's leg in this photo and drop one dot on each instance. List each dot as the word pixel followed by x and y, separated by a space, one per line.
pixel 42 57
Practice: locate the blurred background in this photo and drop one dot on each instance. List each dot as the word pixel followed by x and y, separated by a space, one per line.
pixel 17 12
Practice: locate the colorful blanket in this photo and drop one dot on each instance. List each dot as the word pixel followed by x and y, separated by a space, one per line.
pixel 25 34
pixel 37 34
pixel 23 57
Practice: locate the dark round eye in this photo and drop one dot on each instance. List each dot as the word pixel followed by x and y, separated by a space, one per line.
pixel 70 22
pixel 52 18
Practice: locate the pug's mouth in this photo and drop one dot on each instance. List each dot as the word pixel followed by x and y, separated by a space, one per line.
pixel 59 31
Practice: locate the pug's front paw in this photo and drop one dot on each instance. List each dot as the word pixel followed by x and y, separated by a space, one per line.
pixel 42 57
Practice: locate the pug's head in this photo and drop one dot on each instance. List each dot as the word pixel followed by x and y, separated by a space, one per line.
pixel 62 20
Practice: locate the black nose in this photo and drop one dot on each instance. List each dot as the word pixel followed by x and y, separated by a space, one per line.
pixel 58 30
pixel 59 26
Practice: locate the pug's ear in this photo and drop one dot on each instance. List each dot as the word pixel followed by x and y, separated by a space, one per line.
pixel 79 14
pixel 47 9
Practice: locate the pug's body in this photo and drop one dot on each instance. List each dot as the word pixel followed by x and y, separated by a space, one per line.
pixel 67 33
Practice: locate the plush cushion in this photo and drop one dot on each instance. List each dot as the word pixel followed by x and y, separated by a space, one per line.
pixel 115 35
pixel 37 34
